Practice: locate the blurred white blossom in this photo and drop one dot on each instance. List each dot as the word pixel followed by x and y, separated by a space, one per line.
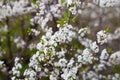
pixel 115 58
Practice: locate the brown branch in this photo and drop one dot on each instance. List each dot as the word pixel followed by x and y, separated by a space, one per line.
pixel 8 39
pixel 55 28
pixel 22 28
pixel 28 43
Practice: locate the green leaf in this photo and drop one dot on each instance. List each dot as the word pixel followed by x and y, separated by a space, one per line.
pixel 74 19
pixel 66 15
pixel 107 30
pixel 42 41
pixel 61 22
pixel 109 50
pixel 33 1
pixel 62 1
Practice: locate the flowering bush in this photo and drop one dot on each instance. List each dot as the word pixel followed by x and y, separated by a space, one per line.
pixel 59 40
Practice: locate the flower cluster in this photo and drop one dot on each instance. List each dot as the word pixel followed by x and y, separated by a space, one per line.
pixel 102 37
pixel 15 8
pixel 59 40
pixel 16 69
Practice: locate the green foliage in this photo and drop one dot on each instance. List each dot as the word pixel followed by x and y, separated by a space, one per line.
pixel 74 19
pixel 65 19
pixel 110 50
pixel 33 1
pixel 77 45
pixel 1 75
pixel 107 30
pixel 67 15
pixel 116 69
pixel 62 1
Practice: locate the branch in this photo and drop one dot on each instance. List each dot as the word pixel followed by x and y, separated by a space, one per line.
pixel 8 39
pixel 28 43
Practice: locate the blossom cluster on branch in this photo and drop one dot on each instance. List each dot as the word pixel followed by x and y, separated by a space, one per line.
pixel 59 40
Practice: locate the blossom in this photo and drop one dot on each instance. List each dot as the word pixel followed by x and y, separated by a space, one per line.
pixel 20 43
pixel 31 74
pixel 16 69
pixel 86 57
pixel 69 74
pixel 62 48
pixel 73 10
pixel 69 2
pixel 109 3
pixel 104 54
pixel 18 8
pixel 115 58
pixel 1 64
pixel 94 47
pixel 52 77
pixel 83 31
pixel 36 32
pixel 102 37
pixel 61 63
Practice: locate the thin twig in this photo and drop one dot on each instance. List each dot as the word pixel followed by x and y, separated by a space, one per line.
pixel 8 39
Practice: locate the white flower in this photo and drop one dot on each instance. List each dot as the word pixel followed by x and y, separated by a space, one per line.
pixel 62 62
pixel 13 78
pixel 102 37
pixel 83 31
pixel 73 72
pixel 32 46
pixel 61 53
pixel 30 74
pixel 69 2
pixel 94 47
pixel 79 58
pixel 100 67
pixel 52 77
pixel 92 75
pixel 16 67
pixel 39 46
pixel 41 57
pixel 109 3
pixel 1 64
pixel 19 42
pixel 115 58
pixel 36 32
pixel 17 59
pixel 73 10
pixel 87 56
pixel 70 64
pixel 65 74
pixel 104 55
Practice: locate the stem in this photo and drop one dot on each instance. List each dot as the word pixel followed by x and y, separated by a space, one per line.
pixel 8 40
pixel 28 43
pixel 22 28
pixel 55 28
